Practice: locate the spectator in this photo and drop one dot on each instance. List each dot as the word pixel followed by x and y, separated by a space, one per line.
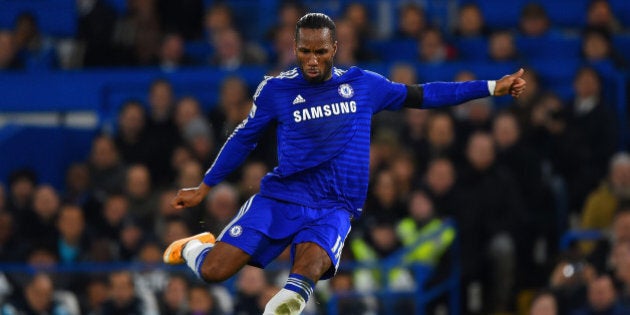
pixel 221 207
pixel 161 128
pixel 9 52
pixel 94 295
pixel 343 284
pixel 10 247
pixel 597 50
pixel 152 278
pixel 38 227
pixel 123 297
pixel 600 15
pixel 114 215
pixel 377 242
pixel 411 22
pixel 187 109
pixel 174 297
pixel 250 285
pixel 441 139
pixel 441 185
pixel 142 199
pixel 36 51
pixel 589 140
pixel 79 191
pixel 218 17
pixel 200 139
pixel 421 223
pixel 95 26
pixel 348 49
pixel 130 240
pixel 357 14
pixel 201 301
pixel 569 280
pixel 249 183
pixel 282 55
pixel 470 22
pixel 546 123
pixel 501 47
pixel 174 229
pixel 602 299
pixel 534 21
pixel 384 201
pixel 233 106
pixel 132 139
pixel 544 303
pixel 73 242
pixel 524 105
pixel 414 132
pixel 492 220
pixel 36 298
pixel 106 168
pixel 601 203
pixel 433 49
pixel 22 184
pixel 619 229
pixel 231 52
pixel 137 34
pixel 288 14
pixel 620 261
pixel 172 55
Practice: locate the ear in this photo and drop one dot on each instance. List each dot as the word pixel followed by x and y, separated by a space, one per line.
pixel 334 48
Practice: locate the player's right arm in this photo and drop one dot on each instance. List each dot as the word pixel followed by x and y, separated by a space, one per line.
pixel 234 151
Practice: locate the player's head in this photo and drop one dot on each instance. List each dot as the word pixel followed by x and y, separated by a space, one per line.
pixel 315 46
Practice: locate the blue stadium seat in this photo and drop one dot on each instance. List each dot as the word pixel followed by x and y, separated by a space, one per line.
pixel 394 50
pixel 621 43
pixel 621 10
pixel 557 74
pixel 472 49
pixel 566 13
pixel 501 13
pixel 199 51
pixel 55 17
pixel 549 47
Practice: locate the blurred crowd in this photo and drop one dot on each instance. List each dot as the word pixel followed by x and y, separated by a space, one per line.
pixel 512 178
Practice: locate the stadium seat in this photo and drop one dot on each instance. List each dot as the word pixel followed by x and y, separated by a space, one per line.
pixel 621 10
pixel 563 18
pixel 55 17
pixel 621 43
pixel 472 49
pixel 549 47
pixel 500 13
pixel 394 50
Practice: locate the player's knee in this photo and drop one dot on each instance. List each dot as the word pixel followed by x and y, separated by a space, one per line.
pixel 213 272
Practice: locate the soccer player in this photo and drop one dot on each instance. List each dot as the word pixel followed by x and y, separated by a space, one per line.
pixel 323 119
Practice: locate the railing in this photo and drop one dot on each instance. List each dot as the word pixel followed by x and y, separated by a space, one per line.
pixel 387 297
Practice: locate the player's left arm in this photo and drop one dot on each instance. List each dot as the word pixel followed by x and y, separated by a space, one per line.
pixel 441 94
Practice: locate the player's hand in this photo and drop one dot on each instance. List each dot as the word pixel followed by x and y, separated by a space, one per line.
pixel 511 84
pixel 190 197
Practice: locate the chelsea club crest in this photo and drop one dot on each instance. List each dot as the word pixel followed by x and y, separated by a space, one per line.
pixel 346 90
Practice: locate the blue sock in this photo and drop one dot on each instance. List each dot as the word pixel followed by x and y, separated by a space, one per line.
pixel 301 285
pixel 200 258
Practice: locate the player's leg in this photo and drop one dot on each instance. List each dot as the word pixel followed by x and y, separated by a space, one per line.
pixel 311 262
pixel 316 252
pixel 209 261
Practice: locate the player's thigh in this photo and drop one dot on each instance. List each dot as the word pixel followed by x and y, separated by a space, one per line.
pixel 311 261
pixel 318 246
pixel 223 261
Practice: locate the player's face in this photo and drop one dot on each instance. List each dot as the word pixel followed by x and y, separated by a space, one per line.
pixel 315 50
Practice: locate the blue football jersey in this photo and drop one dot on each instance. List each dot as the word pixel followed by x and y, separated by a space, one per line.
pixel 323 133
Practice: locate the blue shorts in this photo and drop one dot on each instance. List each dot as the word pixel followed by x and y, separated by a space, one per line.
pixel 264 227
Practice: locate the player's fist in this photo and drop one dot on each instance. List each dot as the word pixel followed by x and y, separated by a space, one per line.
pixel 190 197
pixel 512 84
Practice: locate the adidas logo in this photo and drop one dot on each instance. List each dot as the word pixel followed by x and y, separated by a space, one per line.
pixel 298 99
